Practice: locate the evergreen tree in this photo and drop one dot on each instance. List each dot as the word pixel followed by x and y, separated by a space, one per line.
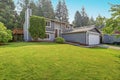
pixel 77 19
pixel 7 13
pixel 47 9
pixel 62 11
pixel 58 13
pixel 65 12
pixel 100 22
pixel 91 21
pixel 85 18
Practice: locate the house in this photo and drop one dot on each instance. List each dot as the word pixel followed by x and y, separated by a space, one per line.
pixel 88 35
pixel 112 39
pixel 54 28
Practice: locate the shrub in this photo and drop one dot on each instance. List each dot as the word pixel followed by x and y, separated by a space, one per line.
pixel 37 27
pixel 60 40
pixel 5 35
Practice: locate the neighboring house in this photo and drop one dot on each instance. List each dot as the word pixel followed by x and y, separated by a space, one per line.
pixel 17 34
pixel 112 39
pixel 88 35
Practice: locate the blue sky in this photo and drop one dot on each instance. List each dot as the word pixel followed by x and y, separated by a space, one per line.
pixel 93 7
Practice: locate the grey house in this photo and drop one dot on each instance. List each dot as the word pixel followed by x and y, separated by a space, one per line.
pixel 54 28
pixel 88 35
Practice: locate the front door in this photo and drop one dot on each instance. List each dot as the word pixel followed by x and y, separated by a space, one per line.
pixel 56 33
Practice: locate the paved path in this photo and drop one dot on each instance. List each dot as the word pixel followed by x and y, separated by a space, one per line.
pixel 101 45
pixel 109 46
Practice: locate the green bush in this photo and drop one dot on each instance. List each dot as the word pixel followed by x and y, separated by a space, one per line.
pixel 37 27
pixel 60 40
pixel 5 35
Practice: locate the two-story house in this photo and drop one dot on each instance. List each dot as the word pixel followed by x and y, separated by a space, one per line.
pixel 54 28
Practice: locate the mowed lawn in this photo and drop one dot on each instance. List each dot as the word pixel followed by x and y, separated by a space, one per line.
pixel 50 61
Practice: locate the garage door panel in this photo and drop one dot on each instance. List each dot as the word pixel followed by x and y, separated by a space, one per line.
pixel 94 39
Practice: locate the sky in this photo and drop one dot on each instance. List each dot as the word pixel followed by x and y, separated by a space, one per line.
pixel 92 7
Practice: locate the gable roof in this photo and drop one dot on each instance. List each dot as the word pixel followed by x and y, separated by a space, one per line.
pixel 84 29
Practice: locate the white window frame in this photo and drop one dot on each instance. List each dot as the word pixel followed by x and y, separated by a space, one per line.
pixel 49 25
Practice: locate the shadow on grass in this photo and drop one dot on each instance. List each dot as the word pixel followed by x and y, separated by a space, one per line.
pixel 21 44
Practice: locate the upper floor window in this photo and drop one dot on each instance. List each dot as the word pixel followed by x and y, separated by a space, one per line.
pixel 48 24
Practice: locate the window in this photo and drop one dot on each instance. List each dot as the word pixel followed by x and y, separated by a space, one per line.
pixel 48 24
pixel 47 36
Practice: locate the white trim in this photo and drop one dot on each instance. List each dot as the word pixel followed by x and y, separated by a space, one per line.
pixel 50 24
pixel 93 32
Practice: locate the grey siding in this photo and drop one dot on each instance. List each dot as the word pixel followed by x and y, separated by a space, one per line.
pixel 110 39
pixel 51 28
pixel 75 37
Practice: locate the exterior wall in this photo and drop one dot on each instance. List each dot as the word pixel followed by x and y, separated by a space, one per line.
pixel 75 37
pixel 51 37
pixel 110 39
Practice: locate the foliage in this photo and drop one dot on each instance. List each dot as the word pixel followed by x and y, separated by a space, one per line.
pixel 50 61
pixel 113 23
pixel 60 40
pixel 78 19
pixel 5 35
pixel 85 18
pixel 7 13
pixel 81 19
pixel 47 9
pixel 91 21
pixel 61 12
pixel 37 27
pixel 100 22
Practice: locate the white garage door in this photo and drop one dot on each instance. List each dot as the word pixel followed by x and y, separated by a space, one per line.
pixel 94 39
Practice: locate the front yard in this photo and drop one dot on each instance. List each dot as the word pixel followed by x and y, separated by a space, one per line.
pixel 50 61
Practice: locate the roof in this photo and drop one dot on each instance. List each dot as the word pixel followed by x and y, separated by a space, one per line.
pixel 84 29
pixel 59 21
pixel 18 31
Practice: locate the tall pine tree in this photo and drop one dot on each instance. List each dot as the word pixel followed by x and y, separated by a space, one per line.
pixel 7 13
pixel 85 18
pixel 47 9
pixel 77 19
pixel 61 11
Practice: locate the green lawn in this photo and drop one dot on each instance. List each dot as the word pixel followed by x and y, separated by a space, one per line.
pixel 50 61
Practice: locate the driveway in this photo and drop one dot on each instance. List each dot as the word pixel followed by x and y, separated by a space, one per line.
pixel 109 46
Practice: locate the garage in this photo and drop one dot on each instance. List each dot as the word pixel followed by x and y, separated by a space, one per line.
pixel 94 39
pixel 83 35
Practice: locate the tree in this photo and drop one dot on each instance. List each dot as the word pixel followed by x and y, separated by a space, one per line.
pixel 91 21
pixel 37 27
pixel 5 35
pixel 77 19
pixel 100 22
pixel 61 12
pixel 47 9
pixel 113 23
pixel 85 18
pixel 58 13
pixel 7 13
pixel 65 12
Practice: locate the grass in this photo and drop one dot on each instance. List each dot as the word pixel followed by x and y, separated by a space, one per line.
pixel 50 61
